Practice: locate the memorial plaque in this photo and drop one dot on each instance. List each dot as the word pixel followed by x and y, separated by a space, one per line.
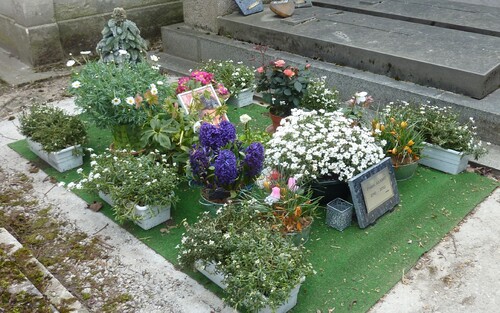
pixel 374 192
pixel 248 7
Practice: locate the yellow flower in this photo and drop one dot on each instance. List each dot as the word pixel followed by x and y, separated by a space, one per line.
pixel 382 127
pixel 411 143
pixel 393 151
pixel 404 124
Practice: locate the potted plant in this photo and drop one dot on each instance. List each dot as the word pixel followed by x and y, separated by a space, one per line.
pixel 236 77
pixel 283 87
pixel 449 143
pixel 293 208
pixel 221 164
pixel 111 96
pixel 252 260
pixel 54 136
pixel 319 97
pixel 119 35
pixel 401 141
pixel 142 188
pixel 325 148
pixel 172 132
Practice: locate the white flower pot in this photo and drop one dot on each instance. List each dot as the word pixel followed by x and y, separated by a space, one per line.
pixel 151 216
pixel 445 160
pixel 211 273
pixel 106 197
pixel 62 160
pixel 241 99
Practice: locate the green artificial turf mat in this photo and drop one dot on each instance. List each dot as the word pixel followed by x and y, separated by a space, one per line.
pixel 355 267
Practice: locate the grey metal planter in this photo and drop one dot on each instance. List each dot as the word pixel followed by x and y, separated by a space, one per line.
pixel 444 160
pixel 241 99
pixel 339 214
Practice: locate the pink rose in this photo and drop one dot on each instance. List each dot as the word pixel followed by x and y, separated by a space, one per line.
pixel 289 73
pixel 260 70
pixel 279 63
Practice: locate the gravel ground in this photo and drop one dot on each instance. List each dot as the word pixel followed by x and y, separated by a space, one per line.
pixel 103 265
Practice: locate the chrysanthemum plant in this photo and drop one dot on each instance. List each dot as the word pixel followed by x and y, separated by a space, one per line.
pixel 109 94
pixel 222 164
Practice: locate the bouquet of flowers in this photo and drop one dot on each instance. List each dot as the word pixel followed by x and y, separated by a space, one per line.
pixel 315 144
pixel 222 164
pixel 280 197
pixel 283 86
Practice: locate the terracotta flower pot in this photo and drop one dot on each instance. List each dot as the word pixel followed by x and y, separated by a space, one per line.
pixel 276 120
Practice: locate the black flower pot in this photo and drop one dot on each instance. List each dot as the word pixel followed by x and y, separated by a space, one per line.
pixel 330 188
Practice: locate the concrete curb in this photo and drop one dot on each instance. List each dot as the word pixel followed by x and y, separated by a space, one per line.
pixel 54 291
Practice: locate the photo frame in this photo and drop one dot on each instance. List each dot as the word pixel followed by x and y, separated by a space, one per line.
pixel 374 192
pixel 208 112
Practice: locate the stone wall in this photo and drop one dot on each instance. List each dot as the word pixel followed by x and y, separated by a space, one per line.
pixel 202 14
pixel 46 31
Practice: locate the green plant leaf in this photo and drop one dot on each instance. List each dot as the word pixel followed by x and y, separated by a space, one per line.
pixel 298 86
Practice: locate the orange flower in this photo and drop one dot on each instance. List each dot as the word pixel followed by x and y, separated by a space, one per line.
pixel 289 73
pixel 408 149
pixel 393 151
pixel 392 120
pixel 411 143
pixel 382 127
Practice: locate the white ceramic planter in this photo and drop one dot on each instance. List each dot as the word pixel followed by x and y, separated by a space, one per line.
pixel 445 160
pixel 151 216
pixel 106 197
pixel 241 99
pixel 211 273
pixel 62 160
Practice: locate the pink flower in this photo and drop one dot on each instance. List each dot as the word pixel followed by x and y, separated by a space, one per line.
pixel 288 72
pixel 221 90
pixel 308 65
pixel 275 193
pixel 279 63
pixel 292 184
pixel 260 70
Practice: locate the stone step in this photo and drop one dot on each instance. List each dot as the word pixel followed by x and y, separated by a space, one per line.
pixel 474 17
pixel 185 42
pixel 59 297
pixel 457 61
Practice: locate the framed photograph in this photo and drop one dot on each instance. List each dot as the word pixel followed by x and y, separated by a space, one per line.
pixel 374 192
pixel 209 100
